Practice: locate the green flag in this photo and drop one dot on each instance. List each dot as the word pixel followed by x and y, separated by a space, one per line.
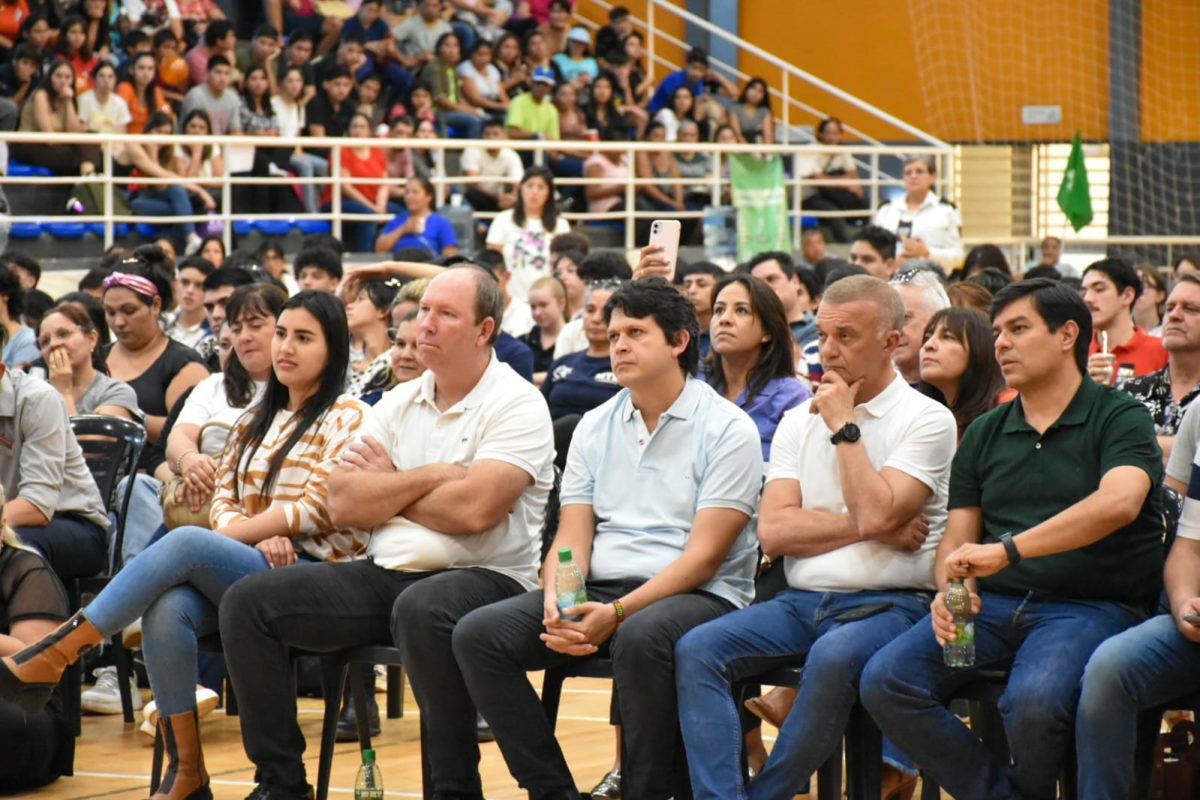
pixel 758 195
pixel 1073 196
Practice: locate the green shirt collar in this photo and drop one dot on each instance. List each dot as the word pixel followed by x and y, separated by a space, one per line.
pixel 1076 412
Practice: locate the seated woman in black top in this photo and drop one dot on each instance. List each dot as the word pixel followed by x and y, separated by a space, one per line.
pixel 37 747
pixel 158 368
pixel 581 381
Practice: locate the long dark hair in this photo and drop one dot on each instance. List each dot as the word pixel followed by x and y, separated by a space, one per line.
pixel 206 150
pixel 46 84
pixel 85 52
pixel 331 315
pixel 148 92
pixel 263 104
pixel 253 300
pixel 766 101
pixel 982 380
pixel 775 356
pixel 95 310
pixel 549 211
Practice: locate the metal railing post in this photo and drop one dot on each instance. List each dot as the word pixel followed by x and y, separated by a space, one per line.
pixel 108 195
pixel 226 206
pixel 630 200
pixel 797 201
pixel 786 108
pixel 335 205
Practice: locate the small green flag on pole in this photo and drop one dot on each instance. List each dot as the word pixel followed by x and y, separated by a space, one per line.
pixel 1073 196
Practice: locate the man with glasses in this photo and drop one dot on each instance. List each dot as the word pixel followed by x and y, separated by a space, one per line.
pixel 923 295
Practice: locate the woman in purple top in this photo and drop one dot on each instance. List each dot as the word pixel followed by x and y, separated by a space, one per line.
pixel 751 359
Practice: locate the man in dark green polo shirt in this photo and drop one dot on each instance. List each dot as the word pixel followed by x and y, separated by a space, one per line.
pixel 1055 522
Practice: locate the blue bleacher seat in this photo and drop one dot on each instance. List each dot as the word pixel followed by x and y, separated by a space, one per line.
pixel 273 227
pixel 242 227
pixel 65 230
pixel 18 170
pixel 120 229
pixel 146 230
pixel 25 230
pixel 313 226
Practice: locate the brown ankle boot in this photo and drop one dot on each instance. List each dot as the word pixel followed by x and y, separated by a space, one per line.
pixel 186 778
pixel 774 706
pixel 29 677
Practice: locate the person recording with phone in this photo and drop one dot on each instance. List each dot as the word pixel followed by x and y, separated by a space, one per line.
pixel 858 545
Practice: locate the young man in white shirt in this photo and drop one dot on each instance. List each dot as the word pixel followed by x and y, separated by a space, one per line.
pixel 660 485
pixel 493 162
pixel 452 474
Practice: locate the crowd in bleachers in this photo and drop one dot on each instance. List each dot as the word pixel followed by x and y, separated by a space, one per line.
pixel 430 69
pixel 782 465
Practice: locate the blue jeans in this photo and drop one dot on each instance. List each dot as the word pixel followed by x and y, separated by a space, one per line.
pixel 1048 642
pixel 307 165
pixel 467 126
pixel 175 586
pixel 1143 667
pixel 358 237
pixel 792 626
pixel 166 201
pixel 144 516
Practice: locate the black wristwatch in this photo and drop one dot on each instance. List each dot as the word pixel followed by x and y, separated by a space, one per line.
pixel 848 433
pixel 1010 547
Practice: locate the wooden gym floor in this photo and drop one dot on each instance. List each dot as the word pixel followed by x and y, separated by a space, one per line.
pixel 112 761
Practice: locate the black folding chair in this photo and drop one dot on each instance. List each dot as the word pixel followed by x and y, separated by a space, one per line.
pixel 111 447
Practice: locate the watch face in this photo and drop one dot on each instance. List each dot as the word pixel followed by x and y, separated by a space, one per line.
pixel 850 432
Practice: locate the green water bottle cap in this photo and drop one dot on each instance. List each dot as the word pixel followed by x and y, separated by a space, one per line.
pixel 565 555
pixel 369 756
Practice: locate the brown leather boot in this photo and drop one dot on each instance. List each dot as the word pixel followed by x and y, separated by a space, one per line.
pixel 29 677
pixel 774 706
pixel 186 778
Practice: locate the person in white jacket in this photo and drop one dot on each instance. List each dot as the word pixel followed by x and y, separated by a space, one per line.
pixel 929 226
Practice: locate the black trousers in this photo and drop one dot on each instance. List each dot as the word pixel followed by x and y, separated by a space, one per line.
pixel 495 646
pixel 327 607
pixel 37 748
pixel 73 546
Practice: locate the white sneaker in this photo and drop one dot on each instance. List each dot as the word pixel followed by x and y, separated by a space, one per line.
pixel 206 701
pixel 381 685
pixel 105 697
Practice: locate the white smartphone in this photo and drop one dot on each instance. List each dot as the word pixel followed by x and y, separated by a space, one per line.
pixel 665 233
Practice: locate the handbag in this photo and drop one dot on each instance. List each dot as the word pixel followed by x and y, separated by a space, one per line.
pixel 176 512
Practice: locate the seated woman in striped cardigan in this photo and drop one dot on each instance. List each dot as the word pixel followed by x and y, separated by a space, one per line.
pixel 269 510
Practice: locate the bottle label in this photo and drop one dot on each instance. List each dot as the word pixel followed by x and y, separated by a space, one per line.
pixel 368 794
pixel 964 633
pixel 567 600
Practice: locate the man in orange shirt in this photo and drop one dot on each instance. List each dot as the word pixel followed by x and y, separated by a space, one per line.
pixel 1120 350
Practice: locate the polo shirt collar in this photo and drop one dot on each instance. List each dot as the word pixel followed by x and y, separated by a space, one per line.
pixel 879 405
pixel 475 397
pixel 1135 341
pixel 685 404
pixel 1076 412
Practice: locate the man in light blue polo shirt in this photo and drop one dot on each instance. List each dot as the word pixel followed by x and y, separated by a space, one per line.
pixel 660 486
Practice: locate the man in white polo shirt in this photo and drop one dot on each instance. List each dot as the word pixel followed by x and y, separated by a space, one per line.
pixel 452 474
pixel 855 501
pixel 660 485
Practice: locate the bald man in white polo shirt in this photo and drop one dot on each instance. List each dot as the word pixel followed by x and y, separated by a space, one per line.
pixel 452 475
pixel 855 502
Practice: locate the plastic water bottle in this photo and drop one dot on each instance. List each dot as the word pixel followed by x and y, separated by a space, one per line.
pixel 960 651
pixel 369 783
pixel 568 584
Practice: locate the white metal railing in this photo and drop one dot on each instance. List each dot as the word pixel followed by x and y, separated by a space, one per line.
pixel 715 186
pixel 790 76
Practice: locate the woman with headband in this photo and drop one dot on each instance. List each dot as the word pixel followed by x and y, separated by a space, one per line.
pixel 158 368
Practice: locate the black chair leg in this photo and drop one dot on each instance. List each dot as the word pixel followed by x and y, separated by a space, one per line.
pixel 123 660
pixel 361 676
pixel 395 692
pixel 552 683
pixel 156 762
pixel 333 678
pixel 864 760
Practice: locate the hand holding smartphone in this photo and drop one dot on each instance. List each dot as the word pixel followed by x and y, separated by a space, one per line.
pixel 664 234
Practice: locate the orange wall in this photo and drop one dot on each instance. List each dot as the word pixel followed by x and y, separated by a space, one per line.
pixel 1170 99
pixel 961 71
